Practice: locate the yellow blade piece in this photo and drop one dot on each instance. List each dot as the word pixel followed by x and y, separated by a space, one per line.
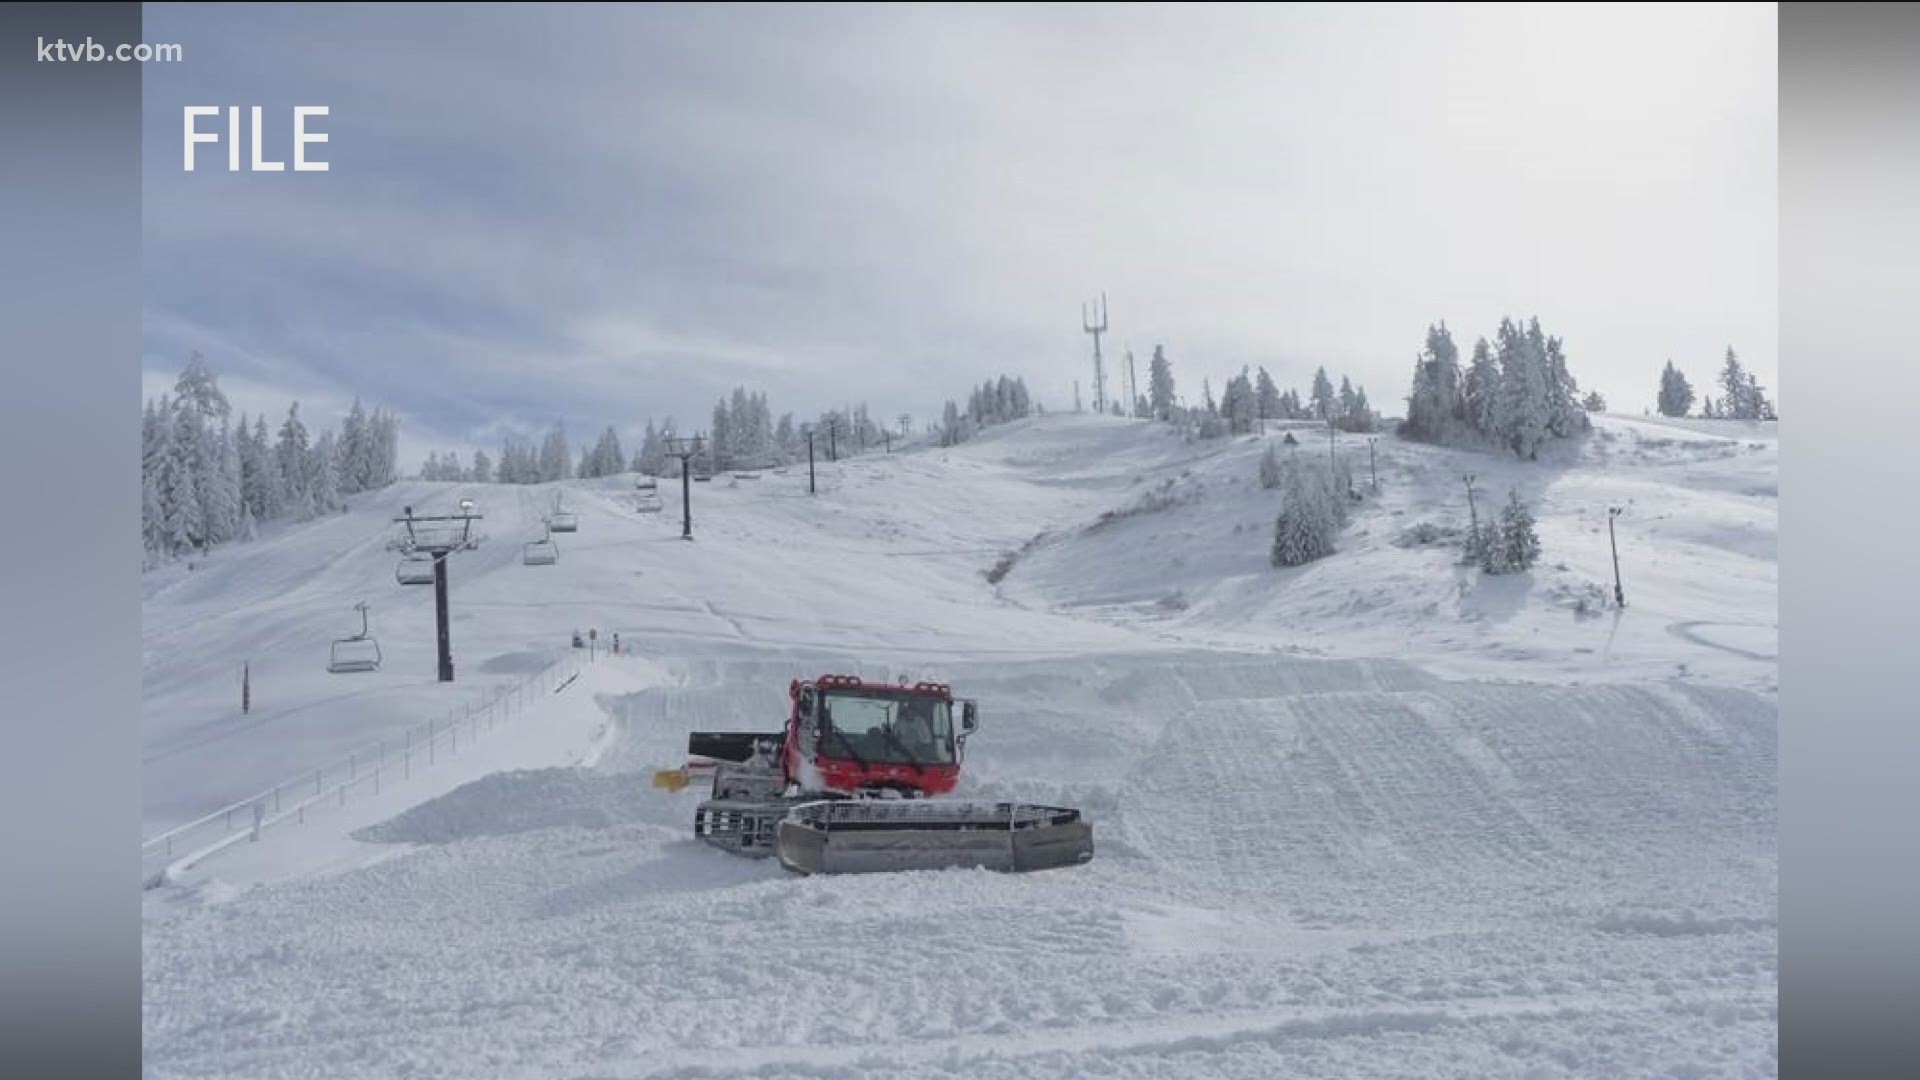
pixel 670 779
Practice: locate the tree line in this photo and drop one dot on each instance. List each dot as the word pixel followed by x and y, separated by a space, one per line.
pixel 1516 391
pixel 1741 395
pixel 208 477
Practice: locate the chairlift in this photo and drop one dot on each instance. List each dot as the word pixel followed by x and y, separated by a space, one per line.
pixel 563 521
pixel 746 474
pixel 646 483
pixel 416 568
pixel 356 654
pixel 541 552
pixel 647 503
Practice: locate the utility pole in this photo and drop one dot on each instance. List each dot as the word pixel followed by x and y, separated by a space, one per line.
pixel 1133 388
pixel 833 438
pixel 1093 319
pixel 1373 467
pixel 1076 395
pixel 1619 594
pixel 1332 465
pixel 807 430
pixel 1473 516
pixel 686 450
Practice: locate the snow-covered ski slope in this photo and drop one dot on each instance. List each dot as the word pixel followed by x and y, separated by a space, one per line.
pixel 1374 816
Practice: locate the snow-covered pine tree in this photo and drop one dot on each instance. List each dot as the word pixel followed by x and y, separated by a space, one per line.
pixel 322 482
pixel 179 492
pixel 356 451
pixel 1244 407
pixel 482 471
pixel 719 447
pixel 1525 410
pixel 1269 468
pixel 1323 402
pixel 1519 543
pixel 1481 391
pixel 1676 393
pixel 290 454
pixel 1266 397
pixel 555 459
pixel 270 495
pixel 1735 403
pixel 1565 416
pixel 1593 402
pixel 1488 549
pixel 1160 384
pixel 1344 402
pixel 1305 527
pixel 229 500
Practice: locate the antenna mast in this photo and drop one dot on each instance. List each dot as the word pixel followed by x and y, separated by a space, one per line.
pixel 1093 319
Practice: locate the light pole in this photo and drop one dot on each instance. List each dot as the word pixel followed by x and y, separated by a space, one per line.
pixel 1619 594
pixel 1373 467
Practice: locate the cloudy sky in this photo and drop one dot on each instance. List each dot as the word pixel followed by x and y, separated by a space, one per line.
pixel 605 214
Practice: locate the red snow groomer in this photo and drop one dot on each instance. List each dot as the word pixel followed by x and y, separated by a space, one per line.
pixel 848 786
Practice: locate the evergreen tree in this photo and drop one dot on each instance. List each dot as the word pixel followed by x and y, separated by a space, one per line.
pixel 185 527
pixel 1482 392
pixel 1676 393
pixel 1323 404
pixel 229 503
pixel 323 485
pixel 1160 385
pixel 1305 527
pixel 1269 468
pixel 1594 402
pixel 1240 406
pixel 482 471
pixel 1525 409
pixel 1565 416
pixel 1344 404
pixel 556 461
pixel 1266 397
pixel 356 451
pixel 290 454
pixel 1519 543
pixel 270 495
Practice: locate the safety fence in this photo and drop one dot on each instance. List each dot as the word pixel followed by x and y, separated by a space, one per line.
pixel 362 772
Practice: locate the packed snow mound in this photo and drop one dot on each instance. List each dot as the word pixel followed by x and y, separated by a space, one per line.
pixel 522 801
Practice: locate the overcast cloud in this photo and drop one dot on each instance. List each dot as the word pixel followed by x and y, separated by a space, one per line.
pixel 606 214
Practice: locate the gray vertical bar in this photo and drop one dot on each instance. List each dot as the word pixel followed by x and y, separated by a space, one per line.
pixel 70 551
pixel 1850 741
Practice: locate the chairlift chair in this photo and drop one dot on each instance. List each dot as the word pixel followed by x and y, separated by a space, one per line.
pixel 646 483
pixel 416 568
pixel 564 521
pixel 541 552
pixel 356 654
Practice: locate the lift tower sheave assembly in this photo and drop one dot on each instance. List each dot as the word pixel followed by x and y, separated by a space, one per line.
pixel 438 537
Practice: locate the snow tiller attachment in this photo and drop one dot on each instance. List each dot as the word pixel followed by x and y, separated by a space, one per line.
pixel 851 785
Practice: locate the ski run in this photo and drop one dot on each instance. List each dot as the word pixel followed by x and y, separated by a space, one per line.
pixel 1376 815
